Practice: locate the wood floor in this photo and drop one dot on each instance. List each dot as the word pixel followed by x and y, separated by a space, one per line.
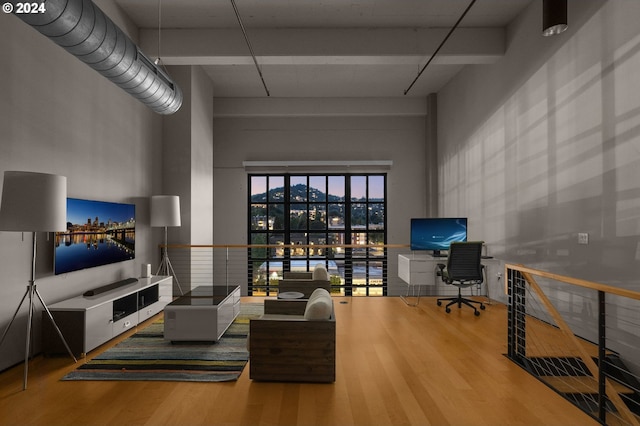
pixel 396 365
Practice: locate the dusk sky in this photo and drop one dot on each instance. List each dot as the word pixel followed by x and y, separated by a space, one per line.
pixel 336 185
pixel 78 211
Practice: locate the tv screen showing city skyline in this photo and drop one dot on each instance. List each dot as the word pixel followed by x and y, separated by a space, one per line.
pixel 98 233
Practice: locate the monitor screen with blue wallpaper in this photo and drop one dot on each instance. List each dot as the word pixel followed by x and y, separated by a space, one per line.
pixel 437 233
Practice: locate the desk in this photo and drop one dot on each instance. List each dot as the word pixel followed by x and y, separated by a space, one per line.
pixel 420 270
pixel 416 270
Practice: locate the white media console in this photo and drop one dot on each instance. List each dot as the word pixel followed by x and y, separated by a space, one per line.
pixel 90 320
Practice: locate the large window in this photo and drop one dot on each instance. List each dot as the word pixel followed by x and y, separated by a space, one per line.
pixel 313 212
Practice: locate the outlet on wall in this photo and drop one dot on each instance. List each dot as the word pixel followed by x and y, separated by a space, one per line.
pixel 583 238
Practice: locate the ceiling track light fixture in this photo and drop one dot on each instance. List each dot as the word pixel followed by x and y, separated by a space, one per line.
pixel 554 17
pixel 246 39
pixel 440 46
pixel 84 30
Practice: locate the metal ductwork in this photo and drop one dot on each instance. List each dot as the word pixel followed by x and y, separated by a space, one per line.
pixel 82 29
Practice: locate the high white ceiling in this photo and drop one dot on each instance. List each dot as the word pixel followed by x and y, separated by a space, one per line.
pixel 323 48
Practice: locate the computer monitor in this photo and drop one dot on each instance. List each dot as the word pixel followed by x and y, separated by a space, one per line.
pixel 437 234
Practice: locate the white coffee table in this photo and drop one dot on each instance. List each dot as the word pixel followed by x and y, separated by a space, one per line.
pixel 203 314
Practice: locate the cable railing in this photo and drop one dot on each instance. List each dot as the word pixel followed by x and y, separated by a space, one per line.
pixel 354 269
pixel 578 337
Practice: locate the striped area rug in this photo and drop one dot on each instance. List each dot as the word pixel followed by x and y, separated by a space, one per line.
pixel 147 356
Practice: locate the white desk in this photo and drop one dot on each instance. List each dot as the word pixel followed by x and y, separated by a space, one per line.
pixel 418 270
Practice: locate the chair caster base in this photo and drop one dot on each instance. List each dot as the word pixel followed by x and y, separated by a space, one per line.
pixel 461 301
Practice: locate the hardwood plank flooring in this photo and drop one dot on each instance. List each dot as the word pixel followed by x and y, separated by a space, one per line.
pixel 396 365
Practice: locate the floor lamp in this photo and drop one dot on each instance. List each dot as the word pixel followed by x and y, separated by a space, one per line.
pixel 165 212
pixel 33 202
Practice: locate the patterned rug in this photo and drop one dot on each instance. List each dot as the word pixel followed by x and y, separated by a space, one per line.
pixel 147 356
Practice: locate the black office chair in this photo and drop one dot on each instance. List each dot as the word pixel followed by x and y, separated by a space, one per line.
pixel 463 270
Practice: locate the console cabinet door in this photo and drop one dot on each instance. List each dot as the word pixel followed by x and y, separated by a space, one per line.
pixel 99 326
pixel 166 291
pixel 149 311
pixel 125 324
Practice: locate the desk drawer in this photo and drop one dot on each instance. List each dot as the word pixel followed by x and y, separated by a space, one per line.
pixel 422 278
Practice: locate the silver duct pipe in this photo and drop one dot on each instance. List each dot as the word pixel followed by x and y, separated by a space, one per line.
pixel 82 29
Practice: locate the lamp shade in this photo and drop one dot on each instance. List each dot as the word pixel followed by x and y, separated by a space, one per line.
pixel 165 210
pixel 33 202
pixel 554 17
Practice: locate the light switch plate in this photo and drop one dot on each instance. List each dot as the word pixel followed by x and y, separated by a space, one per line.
pixel 583 238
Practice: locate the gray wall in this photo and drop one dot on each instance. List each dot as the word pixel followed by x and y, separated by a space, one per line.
pixel 545 144
pixel 59 116
pixel 311 129
pixel 188 172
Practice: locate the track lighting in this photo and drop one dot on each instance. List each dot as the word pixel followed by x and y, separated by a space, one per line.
pixel 246 39
pixel 440 46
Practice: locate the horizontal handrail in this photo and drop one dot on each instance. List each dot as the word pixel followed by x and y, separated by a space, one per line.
pixel 354 269
pixel 532 315
pixel 394 246
pixel 576 281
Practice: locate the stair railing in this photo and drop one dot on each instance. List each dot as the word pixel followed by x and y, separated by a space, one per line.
pixel 539 339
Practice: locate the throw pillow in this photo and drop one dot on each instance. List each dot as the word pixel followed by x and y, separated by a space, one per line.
pixel 318 292
pixel 320 273
pixel 319 306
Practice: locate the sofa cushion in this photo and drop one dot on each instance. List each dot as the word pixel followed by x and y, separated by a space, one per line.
pixel 320 273
pixel 318 292
pixel 319 306
pixel 296 275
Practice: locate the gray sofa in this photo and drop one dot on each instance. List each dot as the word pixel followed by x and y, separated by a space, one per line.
pixel 305 282
pixel 294 341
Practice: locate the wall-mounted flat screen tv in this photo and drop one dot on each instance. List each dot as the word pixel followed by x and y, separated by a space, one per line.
pixel 437 233
pixel 98 233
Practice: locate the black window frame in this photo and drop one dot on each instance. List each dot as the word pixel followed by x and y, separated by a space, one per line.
pixel 274 227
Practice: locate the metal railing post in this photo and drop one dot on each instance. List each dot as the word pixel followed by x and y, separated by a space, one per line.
pixel 226 269
pixel 602 342
pixel 516 314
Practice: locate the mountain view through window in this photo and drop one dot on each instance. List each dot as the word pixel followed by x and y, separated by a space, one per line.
pixel 328 217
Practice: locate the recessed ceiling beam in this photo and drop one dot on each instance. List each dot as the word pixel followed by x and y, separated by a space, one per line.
pixel 297 46
pixel 319 107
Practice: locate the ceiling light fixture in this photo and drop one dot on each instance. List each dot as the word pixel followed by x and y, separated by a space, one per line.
pixel 246 38
pixel 439 47
pixel 554 17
